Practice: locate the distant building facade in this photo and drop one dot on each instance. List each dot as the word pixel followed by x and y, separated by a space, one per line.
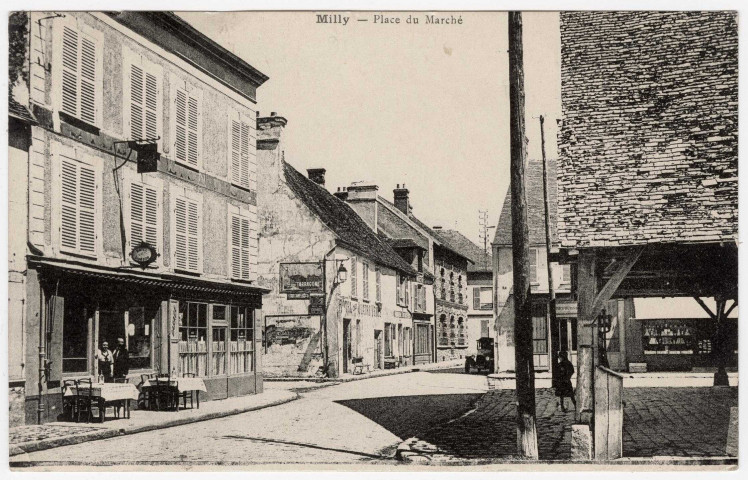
pixel 104 90
pixel 364 316
pixel 480 289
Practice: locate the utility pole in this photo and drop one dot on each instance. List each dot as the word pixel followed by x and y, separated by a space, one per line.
pixel 527 438
pixel 483 228
pixel 555 340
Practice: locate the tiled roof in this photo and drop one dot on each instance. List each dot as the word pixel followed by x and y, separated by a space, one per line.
pixel 535 206
pixel 17 110
pixel 350 230
pixel 648 147
pixel 431 232
pixel 481 260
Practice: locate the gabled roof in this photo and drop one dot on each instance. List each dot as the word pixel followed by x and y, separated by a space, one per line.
pixel 400 216
pixel 535 206
pixel 481 260
pixel 350 230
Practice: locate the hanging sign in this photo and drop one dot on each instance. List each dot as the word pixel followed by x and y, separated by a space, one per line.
pixel 301 277
pixel 144 254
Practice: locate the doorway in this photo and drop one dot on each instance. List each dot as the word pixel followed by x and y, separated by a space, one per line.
pixel 347 349
pixel 378 349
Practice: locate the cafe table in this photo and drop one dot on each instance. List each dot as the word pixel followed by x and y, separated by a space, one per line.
pixel 182 384
pixel 107 393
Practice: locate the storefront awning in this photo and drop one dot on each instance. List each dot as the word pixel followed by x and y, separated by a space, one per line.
pixel 170 281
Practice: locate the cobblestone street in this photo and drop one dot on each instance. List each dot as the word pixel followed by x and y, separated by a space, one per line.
pixel 365 421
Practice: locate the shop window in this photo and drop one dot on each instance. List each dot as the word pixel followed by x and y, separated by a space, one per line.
pixel 139 338
pixel 242 339
pixel 74 337
pixel 193 329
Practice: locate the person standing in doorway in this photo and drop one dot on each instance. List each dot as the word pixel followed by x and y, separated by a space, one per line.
pixel 563 381
pixel 106 362
pixel 121 360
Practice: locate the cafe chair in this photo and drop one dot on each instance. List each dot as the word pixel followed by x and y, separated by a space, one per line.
pixel 69 402
pixel 84 400
pixel 164 393
pixel 144 397
pixel 185 394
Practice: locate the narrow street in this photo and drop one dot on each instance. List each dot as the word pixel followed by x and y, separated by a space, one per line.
pixel 362 421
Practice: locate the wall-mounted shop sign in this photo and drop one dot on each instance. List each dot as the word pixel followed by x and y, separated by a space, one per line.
pixel 316 305
pixel 301 277
pixel 143 254
pixel 566 310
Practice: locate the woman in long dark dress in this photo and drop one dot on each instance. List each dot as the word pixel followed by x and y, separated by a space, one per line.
pixel 563 380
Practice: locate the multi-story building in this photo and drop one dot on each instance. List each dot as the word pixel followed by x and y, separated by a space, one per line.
pixel 480 315
pixel 340 296
pixel 545 335
pixel 442 281
pixel 141 215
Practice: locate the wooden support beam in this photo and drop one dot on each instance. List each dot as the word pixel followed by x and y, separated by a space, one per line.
pixel 624 267
pixel 732 307
pixel 711 314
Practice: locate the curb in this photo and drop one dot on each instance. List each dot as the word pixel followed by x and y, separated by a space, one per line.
pixel 35 446
pixel 428 367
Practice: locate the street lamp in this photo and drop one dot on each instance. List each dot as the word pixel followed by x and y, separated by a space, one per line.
pixel 342 274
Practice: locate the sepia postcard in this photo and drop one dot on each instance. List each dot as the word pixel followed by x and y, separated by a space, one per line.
pixel 372 240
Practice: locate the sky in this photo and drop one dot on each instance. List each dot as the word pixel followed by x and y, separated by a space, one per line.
pixel 425 105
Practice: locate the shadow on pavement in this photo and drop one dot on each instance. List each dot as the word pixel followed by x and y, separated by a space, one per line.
pixel 410 416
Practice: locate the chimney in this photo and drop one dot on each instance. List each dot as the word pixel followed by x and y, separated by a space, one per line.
pixel 402 201
pixel 269 130
pixel 317 175
pixel 342 193
pixel 363 199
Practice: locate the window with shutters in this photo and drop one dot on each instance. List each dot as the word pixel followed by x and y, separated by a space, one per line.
pixel 78 224
pixel 240 246
pixel 354 278
pixel 533 265
pixel 379 286
pixel 144 215
pixel 365 278
pixel 142 85
pixel 79 79
pixel 187 127
pixel 187 228
pixel 240 151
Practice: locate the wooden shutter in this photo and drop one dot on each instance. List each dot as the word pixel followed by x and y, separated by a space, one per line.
pixel 365 275
pixel 78 75
pixel 239 153
pixel 70 71
pixel 143 104
pixel 78 207
pixel 379 285
pixel 476 298
pixel 143 215
pixel 240 247
pixel 180 227
pixel 187 128
pixel 193 219
pixel 354 280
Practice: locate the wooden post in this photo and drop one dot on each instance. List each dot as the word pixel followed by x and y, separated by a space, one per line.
pixel 555 341
pixel 587 289
pixel 527 441
pixel 719 345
